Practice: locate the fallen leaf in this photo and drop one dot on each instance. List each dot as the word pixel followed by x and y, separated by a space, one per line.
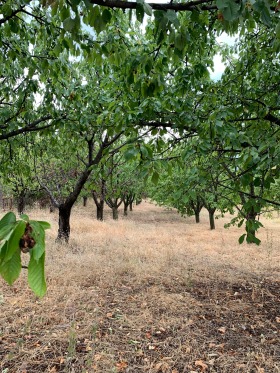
pixel 278 319
pixel 121 366
pixel 201 364
pixel 162 367
pixel 222 329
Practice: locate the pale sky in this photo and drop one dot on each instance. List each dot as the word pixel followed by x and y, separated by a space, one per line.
pixel 219 67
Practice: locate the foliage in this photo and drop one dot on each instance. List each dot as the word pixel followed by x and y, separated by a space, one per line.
pixel 23 236
pixel 93 82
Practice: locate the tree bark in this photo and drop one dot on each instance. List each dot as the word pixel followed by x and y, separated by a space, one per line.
pixel 85 201
pixel 115 213
pixel 197 216
pixel 21 203
pixel 130 206
pixel 125 208
pixel 100 210
pixel 64 223
pixel 212 218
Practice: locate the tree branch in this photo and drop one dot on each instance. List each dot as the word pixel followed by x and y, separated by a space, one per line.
pixel 186 6
pixel 29 128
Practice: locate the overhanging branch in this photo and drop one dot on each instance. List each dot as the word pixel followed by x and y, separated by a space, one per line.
pixel 186 6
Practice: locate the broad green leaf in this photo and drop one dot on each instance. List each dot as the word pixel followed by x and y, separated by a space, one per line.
pixel 24 217
pixel 172 16
pixel 155 177
pixel 69 24
pixel 6 231
pixel 106 15
pixel 10 270
pixel 38 233
pixel 93 14
pixel 36 275
pixel 7 219
pixel 240 223
pixel 262 7
pixel 139 12
pixel 277 30
pixel 241 238
pixel 44 224
pixel 229 8
pixel 131 153
pixel 148 9
pixel 13 242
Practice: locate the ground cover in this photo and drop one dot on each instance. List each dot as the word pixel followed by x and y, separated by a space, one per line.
pixel 152 292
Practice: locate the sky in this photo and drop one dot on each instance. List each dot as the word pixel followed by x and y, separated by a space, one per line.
pixel 219 67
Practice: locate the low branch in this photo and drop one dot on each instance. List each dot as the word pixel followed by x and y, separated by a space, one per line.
pixel 29 128
pixel 186 6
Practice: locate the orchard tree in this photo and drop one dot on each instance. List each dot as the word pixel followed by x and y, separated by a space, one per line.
pixel 165 85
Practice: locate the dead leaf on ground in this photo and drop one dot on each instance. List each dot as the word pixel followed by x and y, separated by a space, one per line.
pixel 222 329
pixel 121 366
pixel 162 367
pixel 201 364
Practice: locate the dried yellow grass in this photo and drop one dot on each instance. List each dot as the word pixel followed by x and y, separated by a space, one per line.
pixel 134 295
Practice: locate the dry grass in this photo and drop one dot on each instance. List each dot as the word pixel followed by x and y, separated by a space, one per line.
pixel 152 292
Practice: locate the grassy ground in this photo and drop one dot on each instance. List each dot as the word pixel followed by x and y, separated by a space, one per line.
pixel 152 292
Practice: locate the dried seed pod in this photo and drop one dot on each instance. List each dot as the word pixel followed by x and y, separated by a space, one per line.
pixel 27 242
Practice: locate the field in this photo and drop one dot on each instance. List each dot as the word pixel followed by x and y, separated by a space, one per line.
pixel 152 292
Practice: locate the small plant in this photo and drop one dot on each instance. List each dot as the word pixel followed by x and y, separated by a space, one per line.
pixel 23 236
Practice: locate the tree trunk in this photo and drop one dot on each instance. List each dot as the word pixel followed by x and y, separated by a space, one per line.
pixel 85 201
pixel 130 206
pixel 21 203
pixel 115 213
pixel 197 218
pixel 64 223
pixel 212 218
pixel 100 210
pixel 125 208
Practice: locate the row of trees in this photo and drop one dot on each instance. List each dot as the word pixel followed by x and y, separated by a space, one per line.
pixel 83 85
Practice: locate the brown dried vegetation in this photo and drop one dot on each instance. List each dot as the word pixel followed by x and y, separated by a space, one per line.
pixel 152 292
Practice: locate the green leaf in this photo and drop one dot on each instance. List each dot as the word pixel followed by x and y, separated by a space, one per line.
pixel 13 242
pixel 93 14
pixel 7 219
pixel 10 270
pixel 172 16
pixel 277 30
pixel 38 233
pixel 229 8
pixel 240 223
pixel 44 224
pixel 180 41
pixel 252 239
pixel 131 153
pixel 36 275
pixel 155 177
pixel 262 7
pixel 106 15
pixel 241 238
pixel 148 9
pixel 69 24
pixel 139 12
pixel 6 231
pixel 24 217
